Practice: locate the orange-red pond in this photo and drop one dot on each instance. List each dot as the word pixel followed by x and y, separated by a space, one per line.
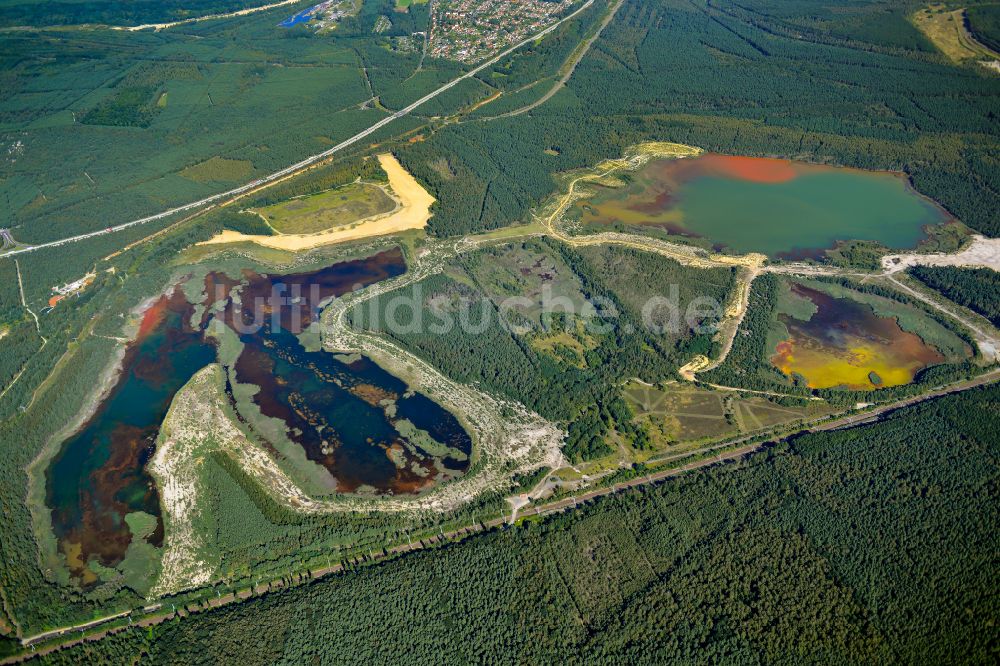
pixel 779 207
pixel 365 426
pixel 845 344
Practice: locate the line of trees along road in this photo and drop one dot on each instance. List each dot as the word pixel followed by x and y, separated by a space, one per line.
pixel 858 86
pixel 976 288
pixel 873 544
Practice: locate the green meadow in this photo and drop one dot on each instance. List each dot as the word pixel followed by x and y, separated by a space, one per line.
pixel 333 208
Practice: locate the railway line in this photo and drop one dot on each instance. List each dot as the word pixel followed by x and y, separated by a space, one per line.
pixel 157 613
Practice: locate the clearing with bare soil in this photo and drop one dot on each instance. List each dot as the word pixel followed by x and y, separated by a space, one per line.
pixel 413 211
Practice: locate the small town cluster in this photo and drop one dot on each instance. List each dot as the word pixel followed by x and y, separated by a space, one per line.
pixel 471 30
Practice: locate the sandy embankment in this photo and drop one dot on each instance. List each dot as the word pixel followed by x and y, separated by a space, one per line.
pixel 413 212
pixel 983 252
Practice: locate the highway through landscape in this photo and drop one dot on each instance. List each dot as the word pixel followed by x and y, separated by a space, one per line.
pixel 313 159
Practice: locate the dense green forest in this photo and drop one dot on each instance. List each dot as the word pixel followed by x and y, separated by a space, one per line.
pixel 976 288
pixel 101 126
pixel 747 363
pixel 612 341
pixel 19 343
pixel 127 107
pixel 851 84
pixel 984 24
pixel 870 545
pixel 113 12
pixel 10 297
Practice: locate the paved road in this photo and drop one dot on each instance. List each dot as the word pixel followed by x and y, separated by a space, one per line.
pixel 298 166
pixel 570 68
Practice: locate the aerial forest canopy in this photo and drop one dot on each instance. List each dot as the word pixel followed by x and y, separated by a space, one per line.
pixel 114 12
pixel 976 288
pixel 861 87
pixel 758 561
pixel 984 23
pixel 772 419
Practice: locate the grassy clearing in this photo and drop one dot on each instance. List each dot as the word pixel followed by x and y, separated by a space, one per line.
pixel 794 305
pixel 333 208
pixel 565 345
pixel 413 211
pixel 404 5
pixel 946 29
pixel 678 414
pixel 217 169
pixel 530 270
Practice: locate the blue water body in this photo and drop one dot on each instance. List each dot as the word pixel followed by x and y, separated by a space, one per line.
pixel 347 416
pixel 301 17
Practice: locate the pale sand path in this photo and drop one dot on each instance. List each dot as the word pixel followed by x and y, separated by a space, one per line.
pixel 412 213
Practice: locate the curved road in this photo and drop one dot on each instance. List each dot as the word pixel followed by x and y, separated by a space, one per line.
pixel 314 158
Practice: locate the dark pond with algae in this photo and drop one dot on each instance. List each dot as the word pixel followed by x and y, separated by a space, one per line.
pixel 844 343
pixel 362 424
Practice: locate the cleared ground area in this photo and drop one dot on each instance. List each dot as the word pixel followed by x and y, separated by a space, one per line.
pixel 327 210
pixel 679 414
pixel 412 212
pixel 946 29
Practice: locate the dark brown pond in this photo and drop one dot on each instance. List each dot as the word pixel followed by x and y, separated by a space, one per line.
pixel 100 474
pixel 346 416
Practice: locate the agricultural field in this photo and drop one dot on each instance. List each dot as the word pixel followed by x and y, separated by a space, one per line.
pixel 219 170
pixel 404 5
pixel 677 414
